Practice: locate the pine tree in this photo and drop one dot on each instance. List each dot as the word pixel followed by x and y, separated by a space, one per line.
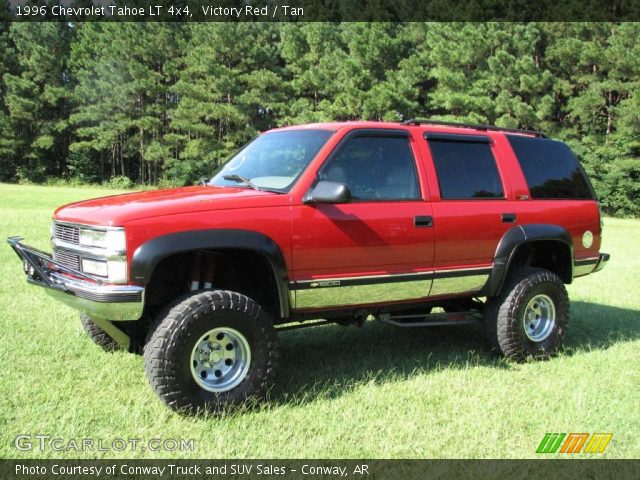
pixel 368 91
pixel 37 99
pixel 312 54
pixel 597 75
pixel 229 89
pixel 7 65
pixel 169 102
pixel 124 74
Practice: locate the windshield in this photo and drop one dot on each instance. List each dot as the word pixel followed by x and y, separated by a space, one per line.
pixel 273 161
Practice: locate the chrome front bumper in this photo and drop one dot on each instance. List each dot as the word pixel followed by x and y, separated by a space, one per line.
pixel 79 290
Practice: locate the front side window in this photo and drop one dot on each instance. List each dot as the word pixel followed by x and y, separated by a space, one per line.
pixel 550 168
pixel 273 161
pixel 466 169
pixel 374 168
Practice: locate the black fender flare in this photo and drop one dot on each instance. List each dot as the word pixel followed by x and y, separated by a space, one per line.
pixel 148 255
pixel 512 240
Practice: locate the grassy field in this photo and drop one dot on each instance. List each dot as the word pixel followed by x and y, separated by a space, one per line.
pixel 375 392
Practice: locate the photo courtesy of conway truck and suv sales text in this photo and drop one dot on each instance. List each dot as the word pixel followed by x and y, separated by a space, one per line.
pixel 415 224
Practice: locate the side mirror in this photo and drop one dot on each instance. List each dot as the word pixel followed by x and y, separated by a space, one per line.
pixel 328 192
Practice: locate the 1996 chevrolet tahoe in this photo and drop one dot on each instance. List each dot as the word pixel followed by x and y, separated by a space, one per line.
pixel 416 223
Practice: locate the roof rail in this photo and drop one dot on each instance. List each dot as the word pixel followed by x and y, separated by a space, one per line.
pixel 426 121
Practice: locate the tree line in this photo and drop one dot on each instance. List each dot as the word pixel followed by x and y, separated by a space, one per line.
pixel 165 103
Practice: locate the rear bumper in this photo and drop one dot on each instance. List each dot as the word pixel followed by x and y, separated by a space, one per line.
pixel 585 266
pixel 602 262
pixel 78 290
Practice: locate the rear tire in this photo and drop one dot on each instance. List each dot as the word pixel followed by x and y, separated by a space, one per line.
pixel 210 350
pixel 530 317
pixel 99 336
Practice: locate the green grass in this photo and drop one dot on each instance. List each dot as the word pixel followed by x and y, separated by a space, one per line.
pixel 375 392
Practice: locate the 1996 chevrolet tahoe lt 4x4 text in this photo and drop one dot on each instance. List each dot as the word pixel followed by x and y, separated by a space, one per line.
pixel 335 221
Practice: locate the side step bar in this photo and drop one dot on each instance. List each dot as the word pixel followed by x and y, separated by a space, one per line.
pixel 432 320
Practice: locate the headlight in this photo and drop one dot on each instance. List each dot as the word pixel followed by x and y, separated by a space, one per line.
pixel 94 267
pixel 112 239
pixel 115 271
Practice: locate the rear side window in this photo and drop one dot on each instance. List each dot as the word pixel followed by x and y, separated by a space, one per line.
pixel 550 168
pixel 466 169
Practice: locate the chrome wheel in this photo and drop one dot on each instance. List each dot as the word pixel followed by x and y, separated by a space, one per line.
pixel 220 359
pixel 539 318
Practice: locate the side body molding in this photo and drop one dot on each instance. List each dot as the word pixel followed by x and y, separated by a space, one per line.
pixel 513 239
pixel 148 255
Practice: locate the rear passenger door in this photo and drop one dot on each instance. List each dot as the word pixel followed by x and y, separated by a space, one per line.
pixel 472 209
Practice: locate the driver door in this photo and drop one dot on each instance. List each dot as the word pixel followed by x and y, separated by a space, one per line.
pixel 376 248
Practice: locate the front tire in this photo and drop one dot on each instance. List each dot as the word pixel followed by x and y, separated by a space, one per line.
pixel 210 350
pixel 98 335
pixel 530 317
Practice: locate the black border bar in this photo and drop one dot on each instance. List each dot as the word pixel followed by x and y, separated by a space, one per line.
pixel 571 468
pixel 325 11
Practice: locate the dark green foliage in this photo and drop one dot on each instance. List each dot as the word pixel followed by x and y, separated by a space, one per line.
pixel 228 89
pixel 166 103
pixel 34 134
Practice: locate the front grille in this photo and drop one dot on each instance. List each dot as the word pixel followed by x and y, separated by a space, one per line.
pixel 67 259
pixel 66 233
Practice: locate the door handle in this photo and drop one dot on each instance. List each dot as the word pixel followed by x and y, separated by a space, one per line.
pixel 509 218
pixel 423 221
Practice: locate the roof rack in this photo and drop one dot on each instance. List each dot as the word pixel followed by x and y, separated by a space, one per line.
pixel 426 121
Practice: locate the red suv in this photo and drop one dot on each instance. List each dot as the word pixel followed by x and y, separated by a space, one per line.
pixel 415 224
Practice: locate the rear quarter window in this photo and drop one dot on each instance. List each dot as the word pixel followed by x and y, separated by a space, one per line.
pixel 551 169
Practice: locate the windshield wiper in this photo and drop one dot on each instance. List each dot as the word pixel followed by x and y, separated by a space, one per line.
pixel 239 179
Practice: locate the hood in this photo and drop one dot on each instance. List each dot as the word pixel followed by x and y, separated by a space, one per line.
pixel 116 210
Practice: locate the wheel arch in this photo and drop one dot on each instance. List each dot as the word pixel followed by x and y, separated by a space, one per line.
pixel 532 245
pixel 151 254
